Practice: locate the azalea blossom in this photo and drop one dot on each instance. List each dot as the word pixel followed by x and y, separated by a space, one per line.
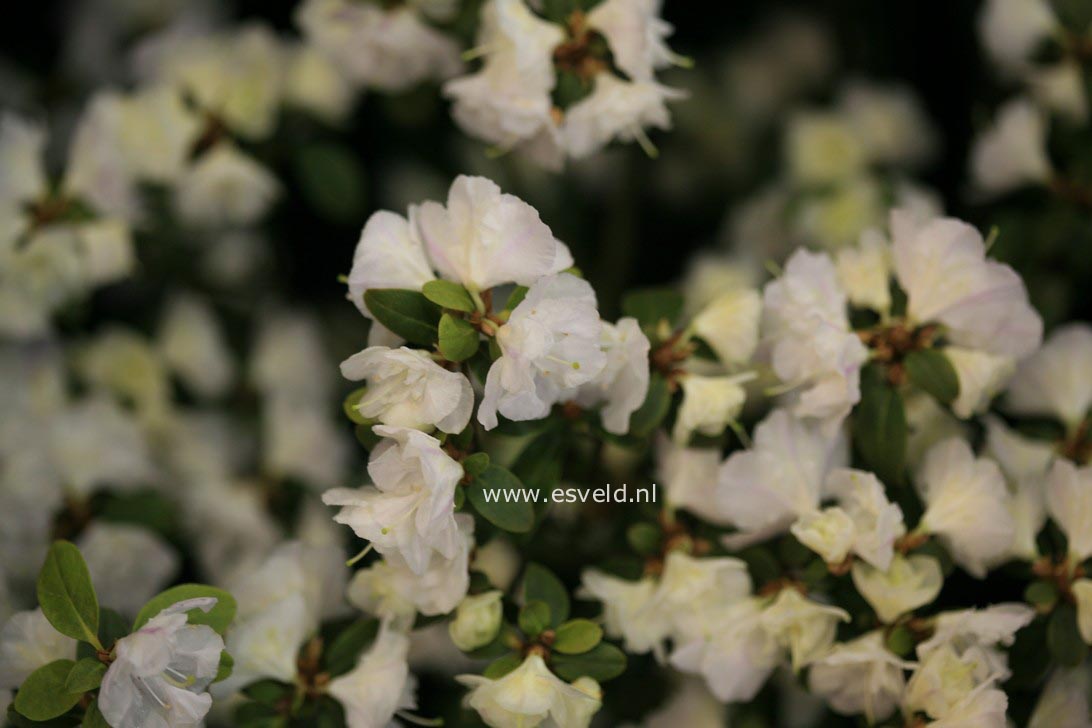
pixel 380 685
pixel 1053 382
pixel 622 385
pixel 907 583
pixel 860 677
pixel 530 696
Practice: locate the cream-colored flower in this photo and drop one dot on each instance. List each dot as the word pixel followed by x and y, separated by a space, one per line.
pixel 908 583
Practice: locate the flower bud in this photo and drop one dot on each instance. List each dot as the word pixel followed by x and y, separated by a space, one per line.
pixel 477 620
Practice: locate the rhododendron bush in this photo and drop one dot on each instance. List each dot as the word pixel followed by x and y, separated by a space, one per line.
pixel 701 364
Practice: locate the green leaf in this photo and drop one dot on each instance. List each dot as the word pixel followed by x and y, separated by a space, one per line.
pixel 602 662
pixel 516 515
pixel 516 297
pixel 225 668
pixel 539 583
pixel 1041 594
pixel 366 436
pixel 650 306
pixel 900 641
pixel 1064 637
pixel 539 463
pixel 43 696
pixel 350 403
pixel 448 294
pixel 644 538
pixel 458 338
pixel 331 180
pixel 145 508
pixel 534 618
pixel 344 651
pixel 933 372
pixel 651 413
pixel 576 637
pixel 92 717
pixel 407 313
pixel 474 465
pixel 880 427
pixel 66 596
pixel 219 617
pixel 267 692
pixel 85 675
pixel 501 666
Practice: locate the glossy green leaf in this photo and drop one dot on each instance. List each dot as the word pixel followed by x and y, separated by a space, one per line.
pixel 407 313
pixel 932 371
pixel 880 428
pixel 496 495
pixel 43 696
pixel 218 617
pixel 458 338
pixel 602 662
pixel 539 583
pixel 534 618
pixel 576 637
pixel 66 595
pixel 85 675
pixel 448 294
pixel 501 666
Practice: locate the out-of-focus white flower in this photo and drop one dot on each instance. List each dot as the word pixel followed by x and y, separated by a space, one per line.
pixel 230 526
pixel 941 264
pixel 966 506
pixel 616 109
pixel 837 217
pixel 981 376
pixel 162 671
pixel 193 345
pixel 128 564
pixel 125 364
pixel 391 590
pixel 410 510
pixel 27 642
pixel 266 645
pixel 889 122
pixel 690 704
pixel 1064 701
pixel 908 583
pixel 288 356
pixel 498 560
pixel 690 477
pixel 806 326
pixel 96 444
pixel 1054 381
pixel 477 619
pixel 1060 88
pixel 766 488
pixel 860 677
pixel 1012 153
pixel 1069 502
pixel 710 403
pixel 301 440
pixel 1012 30
pixel 996 624
pixel 390 49
pixel 225 187
pixel 312 82
pixel 729 324
pixel 1025 463
pixel 531 695
pixel 158 133
pixel 802 626
pixel 636 34
pixel 406 388
pixel 550 344
pixel 822 148
pixel 622 385
pixel 97 171
pixel 828 532
pixel 379 685
pixel 864 272
pixel 484 237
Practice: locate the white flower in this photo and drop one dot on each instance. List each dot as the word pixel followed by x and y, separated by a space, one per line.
pixel 128 564
pixel 158 133
pixel 780 478
pixel 498 560
pixel 550 344
pixel 532 696
pixel 966 506
pixel 301 440
pixel 908 583
pixel 864 272
pixel 388 49
pixel 162 671
pixel 477 619
pixel 1082 592
pixel 288 351
pixel 837 217
pixel 981 375
pixel 877 522
pixel 629 609
pixel 1063 703
pixel 811 345
pixel 406 388
pixel 1012 30
pixel 616 109
pixel 709 404
pixel 993 625
pixel 27 642
pixel 315 83
pixel 266 645
pixel 379 685
pixel 729 324
pixel 690 477
pixel 1054 381
pixel 730 649
pixel 96 170
pixel 822 148
pixel 1025 463
pixel 860 677
pixel 690 585
pixel 1069 502
pixel 623 383
pixel 410 509
pixel 690 704
pixel 828 532
pixel 942 266
pixel 225 187
pixel 802 626
pixel 483 237
pixel 193 345
pixel 636 33
pixel 96 444
pixel 889 122
pixel 1013 152
pixel 390 589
